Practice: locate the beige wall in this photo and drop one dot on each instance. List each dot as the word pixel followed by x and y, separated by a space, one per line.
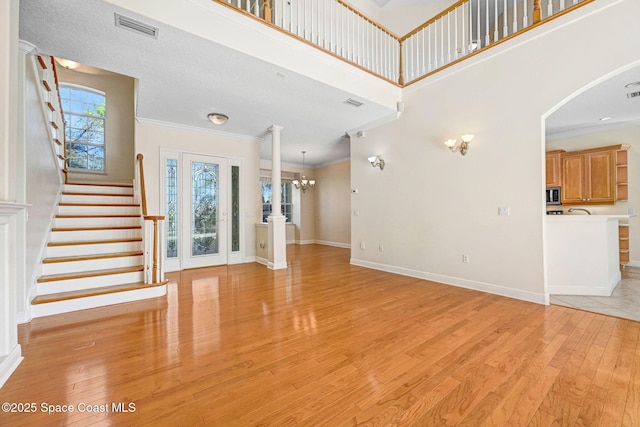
pixel 631 136
pixel 151 138
pixel 429 207
pixel 119 129
pixel 333 204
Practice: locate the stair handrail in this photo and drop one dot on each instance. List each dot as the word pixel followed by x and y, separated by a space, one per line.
pixel 64 123
pixel 153 265
pixel 143 190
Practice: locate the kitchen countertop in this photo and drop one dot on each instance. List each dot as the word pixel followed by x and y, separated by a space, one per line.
pixel 585 217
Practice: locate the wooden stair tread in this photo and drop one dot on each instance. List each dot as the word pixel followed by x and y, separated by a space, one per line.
pixel 63 296
pixel 94 273
pixel 94 242
pixel 91 257
pixel 115 227
pixel 100 184
pixel 125 205
pixel 75 193
pixel 99 216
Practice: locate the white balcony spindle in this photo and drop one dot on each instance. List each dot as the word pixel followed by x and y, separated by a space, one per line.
pixel 525 17
pixel 478 24
pixel 486 35
pixel 505 25
pixel 549 8
pixel 515 17
pixel 448 37
pixel 496 37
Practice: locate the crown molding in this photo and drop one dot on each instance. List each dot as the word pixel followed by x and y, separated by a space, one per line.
pixel 196 129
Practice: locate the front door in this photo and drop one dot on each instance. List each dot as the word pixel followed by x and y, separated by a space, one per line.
pixel 204 218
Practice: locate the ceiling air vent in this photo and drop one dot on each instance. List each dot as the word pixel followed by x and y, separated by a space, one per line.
pixel 137 26
pixel 352 102
pixel 633 95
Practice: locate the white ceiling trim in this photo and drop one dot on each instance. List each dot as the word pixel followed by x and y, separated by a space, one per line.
pixel 591 129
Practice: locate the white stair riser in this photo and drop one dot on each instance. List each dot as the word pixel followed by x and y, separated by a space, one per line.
pixel 57 307
pixel 96 189
pixel 98 210
pixel 95 249
pixel 89 265
pixel 65 198
pixel 72 236
pixel 57 286
pixel 96 222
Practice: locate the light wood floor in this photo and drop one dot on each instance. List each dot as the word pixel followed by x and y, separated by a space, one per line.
pixel 326 343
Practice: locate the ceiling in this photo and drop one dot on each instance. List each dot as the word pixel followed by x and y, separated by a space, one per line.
pixel 609 98
pixel 182 78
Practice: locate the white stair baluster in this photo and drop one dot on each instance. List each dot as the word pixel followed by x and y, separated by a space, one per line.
pixel 550 8
pixel 505 26
pixel 486 36
pixel 515 17
pixel 496 36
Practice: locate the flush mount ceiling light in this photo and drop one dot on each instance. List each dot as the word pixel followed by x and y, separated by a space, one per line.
pixel 463 147
pixel 604 119
pixel 218 118
pixel 632 84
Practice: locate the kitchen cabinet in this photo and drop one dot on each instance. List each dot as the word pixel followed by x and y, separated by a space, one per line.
pixel 595 176
pixel 553 168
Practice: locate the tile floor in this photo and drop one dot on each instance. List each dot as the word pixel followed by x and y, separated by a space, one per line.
pixel 624 302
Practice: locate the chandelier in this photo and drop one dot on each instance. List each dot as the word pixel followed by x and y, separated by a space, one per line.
pixel 304 183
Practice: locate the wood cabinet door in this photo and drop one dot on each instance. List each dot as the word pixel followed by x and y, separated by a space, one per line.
pixel 600 178
pixel 573 178
pixel 553 170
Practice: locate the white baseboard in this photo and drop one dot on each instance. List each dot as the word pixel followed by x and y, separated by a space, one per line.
pixel 277 265
pixel 334 244
pixel 600 291
pixel 9 363
pixel 633 264
pixel 248 259
pixel 455 281
pixel 305 242
pixel 262 261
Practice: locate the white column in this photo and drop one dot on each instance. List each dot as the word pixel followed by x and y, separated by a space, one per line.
pixel 10 351
pixel 277 222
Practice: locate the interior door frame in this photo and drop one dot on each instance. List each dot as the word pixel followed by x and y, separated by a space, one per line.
pixel 233 257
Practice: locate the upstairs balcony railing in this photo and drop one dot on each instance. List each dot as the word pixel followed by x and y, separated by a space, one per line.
pixel 465 28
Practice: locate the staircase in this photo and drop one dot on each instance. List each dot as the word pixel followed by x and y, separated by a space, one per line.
pixel 95 252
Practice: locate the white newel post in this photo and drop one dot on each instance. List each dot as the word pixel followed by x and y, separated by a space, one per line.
pixel 276 221
pixel 10 351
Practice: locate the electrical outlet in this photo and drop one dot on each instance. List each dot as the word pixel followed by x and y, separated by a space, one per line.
pixel 504 211
pixel 381 248
pixel 356 212
pixel 465 259
pixel 632 211
pixel 362 245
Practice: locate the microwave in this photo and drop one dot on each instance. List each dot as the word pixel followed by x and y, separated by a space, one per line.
pixel 553 196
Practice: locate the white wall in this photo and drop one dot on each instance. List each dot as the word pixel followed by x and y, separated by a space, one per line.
pixel 42 176
pixel 631 136
pixel 333 204
pixel 10 350
pixel 119 124
pixel 429 206
pixel 152 137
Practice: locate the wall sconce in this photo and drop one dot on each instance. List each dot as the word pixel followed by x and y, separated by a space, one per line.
pixel 463 147
pixel 376 161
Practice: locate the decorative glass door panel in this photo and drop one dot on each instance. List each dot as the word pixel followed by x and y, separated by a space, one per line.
pixel 204 241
